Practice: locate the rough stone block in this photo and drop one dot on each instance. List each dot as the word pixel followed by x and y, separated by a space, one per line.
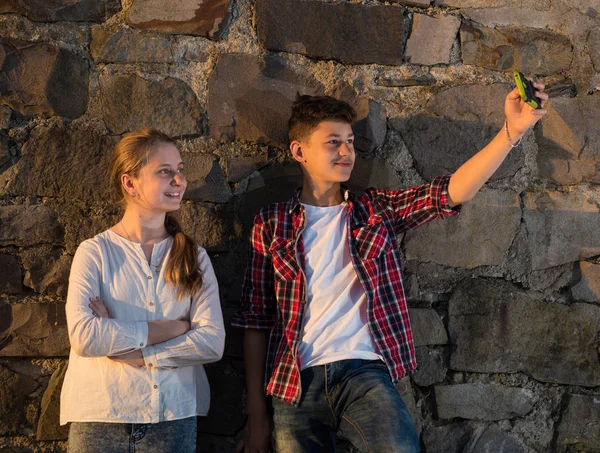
pixel 48 427
pixel 497 328
pixel 250 98
pixel 373 173
pixel 569 141
pixel 29 225
pixel 588 288
pixel 452 438
pixel 5 116
pixel 420 3
pixel 129 47
pixel 493 439
pixel 10 277
pixel 562 226
pixel 454 125
pixel 538 5
pixel 33 329
pixel 62 10
pixel 213 227
pixel 130 102
pixel 483 402
pixel 480 236
pixel 14 388
pixel 431 39
pixel 206 179
pixel 427 327
pixel 65 162
pixel 431 367
pixel 532 51
pixel 349 32
pixel 46 270
pixel 188 17
pixel 579 429
pixel 593 45
pixel 38 78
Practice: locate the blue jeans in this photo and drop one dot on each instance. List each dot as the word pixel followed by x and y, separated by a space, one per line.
pixel 178 436
pixel 353 398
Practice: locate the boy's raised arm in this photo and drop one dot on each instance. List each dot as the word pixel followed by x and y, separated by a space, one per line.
pixel 473 174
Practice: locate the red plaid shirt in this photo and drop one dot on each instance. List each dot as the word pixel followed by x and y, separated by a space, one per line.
pixel 274 291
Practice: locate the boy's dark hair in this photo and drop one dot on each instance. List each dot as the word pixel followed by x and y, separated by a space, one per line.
pixel 309 111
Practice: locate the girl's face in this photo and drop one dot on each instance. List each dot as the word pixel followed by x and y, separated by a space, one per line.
pixel 160 183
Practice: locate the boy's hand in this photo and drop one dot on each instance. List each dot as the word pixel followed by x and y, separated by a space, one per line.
pixel 258 436
pixel 521 116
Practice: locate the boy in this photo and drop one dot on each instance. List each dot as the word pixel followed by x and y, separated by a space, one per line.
pixel 327 328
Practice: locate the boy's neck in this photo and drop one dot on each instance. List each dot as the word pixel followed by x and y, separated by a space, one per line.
pixel 321 194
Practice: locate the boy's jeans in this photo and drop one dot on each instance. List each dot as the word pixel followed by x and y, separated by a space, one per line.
pixel 353 398
pixel 178 436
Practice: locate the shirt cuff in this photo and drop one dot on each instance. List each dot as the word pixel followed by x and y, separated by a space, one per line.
pixel 141 335
pixel 441 198
pixel 150 356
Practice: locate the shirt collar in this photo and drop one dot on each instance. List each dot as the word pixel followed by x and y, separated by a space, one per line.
pixel 295 204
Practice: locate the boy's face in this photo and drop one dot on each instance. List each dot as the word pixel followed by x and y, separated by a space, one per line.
pixel 327 155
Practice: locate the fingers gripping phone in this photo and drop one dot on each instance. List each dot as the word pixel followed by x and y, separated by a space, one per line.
pixel 527 91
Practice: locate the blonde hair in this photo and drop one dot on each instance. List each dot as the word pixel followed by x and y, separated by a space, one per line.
pixel 129 155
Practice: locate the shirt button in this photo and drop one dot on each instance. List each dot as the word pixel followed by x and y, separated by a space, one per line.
pixel 141 345
pixel 152 304
pixel 150 365
pixel 149 277
pixel 155 386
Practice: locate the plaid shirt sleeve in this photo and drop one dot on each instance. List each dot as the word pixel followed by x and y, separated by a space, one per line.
pixel 258 296
pixel 419 204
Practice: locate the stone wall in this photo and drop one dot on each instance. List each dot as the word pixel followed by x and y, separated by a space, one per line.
pixel 505 299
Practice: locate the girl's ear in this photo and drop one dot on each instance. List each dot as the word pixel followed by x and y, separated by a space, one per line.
pixel 296 150
pixel 128 184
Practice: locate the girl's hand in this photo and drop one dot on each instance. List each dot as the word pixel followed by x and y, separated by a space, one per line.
pixel 521 116
pixel 99 310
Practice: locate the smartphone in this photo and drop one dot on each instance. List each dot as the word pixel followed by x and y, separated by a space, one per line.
pixel 527 91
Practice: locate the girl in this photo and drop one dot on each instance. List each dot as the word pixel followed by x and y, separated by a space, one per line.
pixel 143 315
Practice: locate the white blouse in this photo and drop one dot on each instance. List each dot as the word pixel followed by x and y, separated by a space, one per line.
pixel 173 384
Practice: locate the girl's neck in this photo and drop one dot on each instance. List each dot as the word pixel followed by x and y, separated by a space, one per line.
pixel 143 227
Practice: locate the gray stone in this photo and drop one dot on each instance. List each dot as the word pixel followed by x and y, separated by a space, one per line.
pixel 250 98
pixel 129 47
pixel 48 427
pixel 227 390
pixel 588 288
pixel 420 3
pixel 497 328
pixel 62 10
pixel 5 115
pixel 569 141
pixel 593 46
pixel 29 225
pixel 83 223
pixel 493 439
pixel 349 32
pixel 480 236
pixel 240 167
pixel 6 158
pixel 37 78
pixel 454 125
pixel 517 15
pixel 34 329
pixel 14 388
pixel 10 277
pixel 189 17
pixel 46 270
pixel 538 5
pixel 213 227
pixel 532 51
pixel 130 102
pixel 373 173
pixel 65 162
pixel 431 367
pixel 562 226
pixel 427 327
pixel 431 39
pixel 579 428
pixel 483 402
pixel 452 438
pixel 206 180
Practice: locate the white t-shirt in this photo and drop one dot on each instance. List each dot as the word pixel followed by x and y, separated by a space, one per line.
pixel 173 384
pixel 334 324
